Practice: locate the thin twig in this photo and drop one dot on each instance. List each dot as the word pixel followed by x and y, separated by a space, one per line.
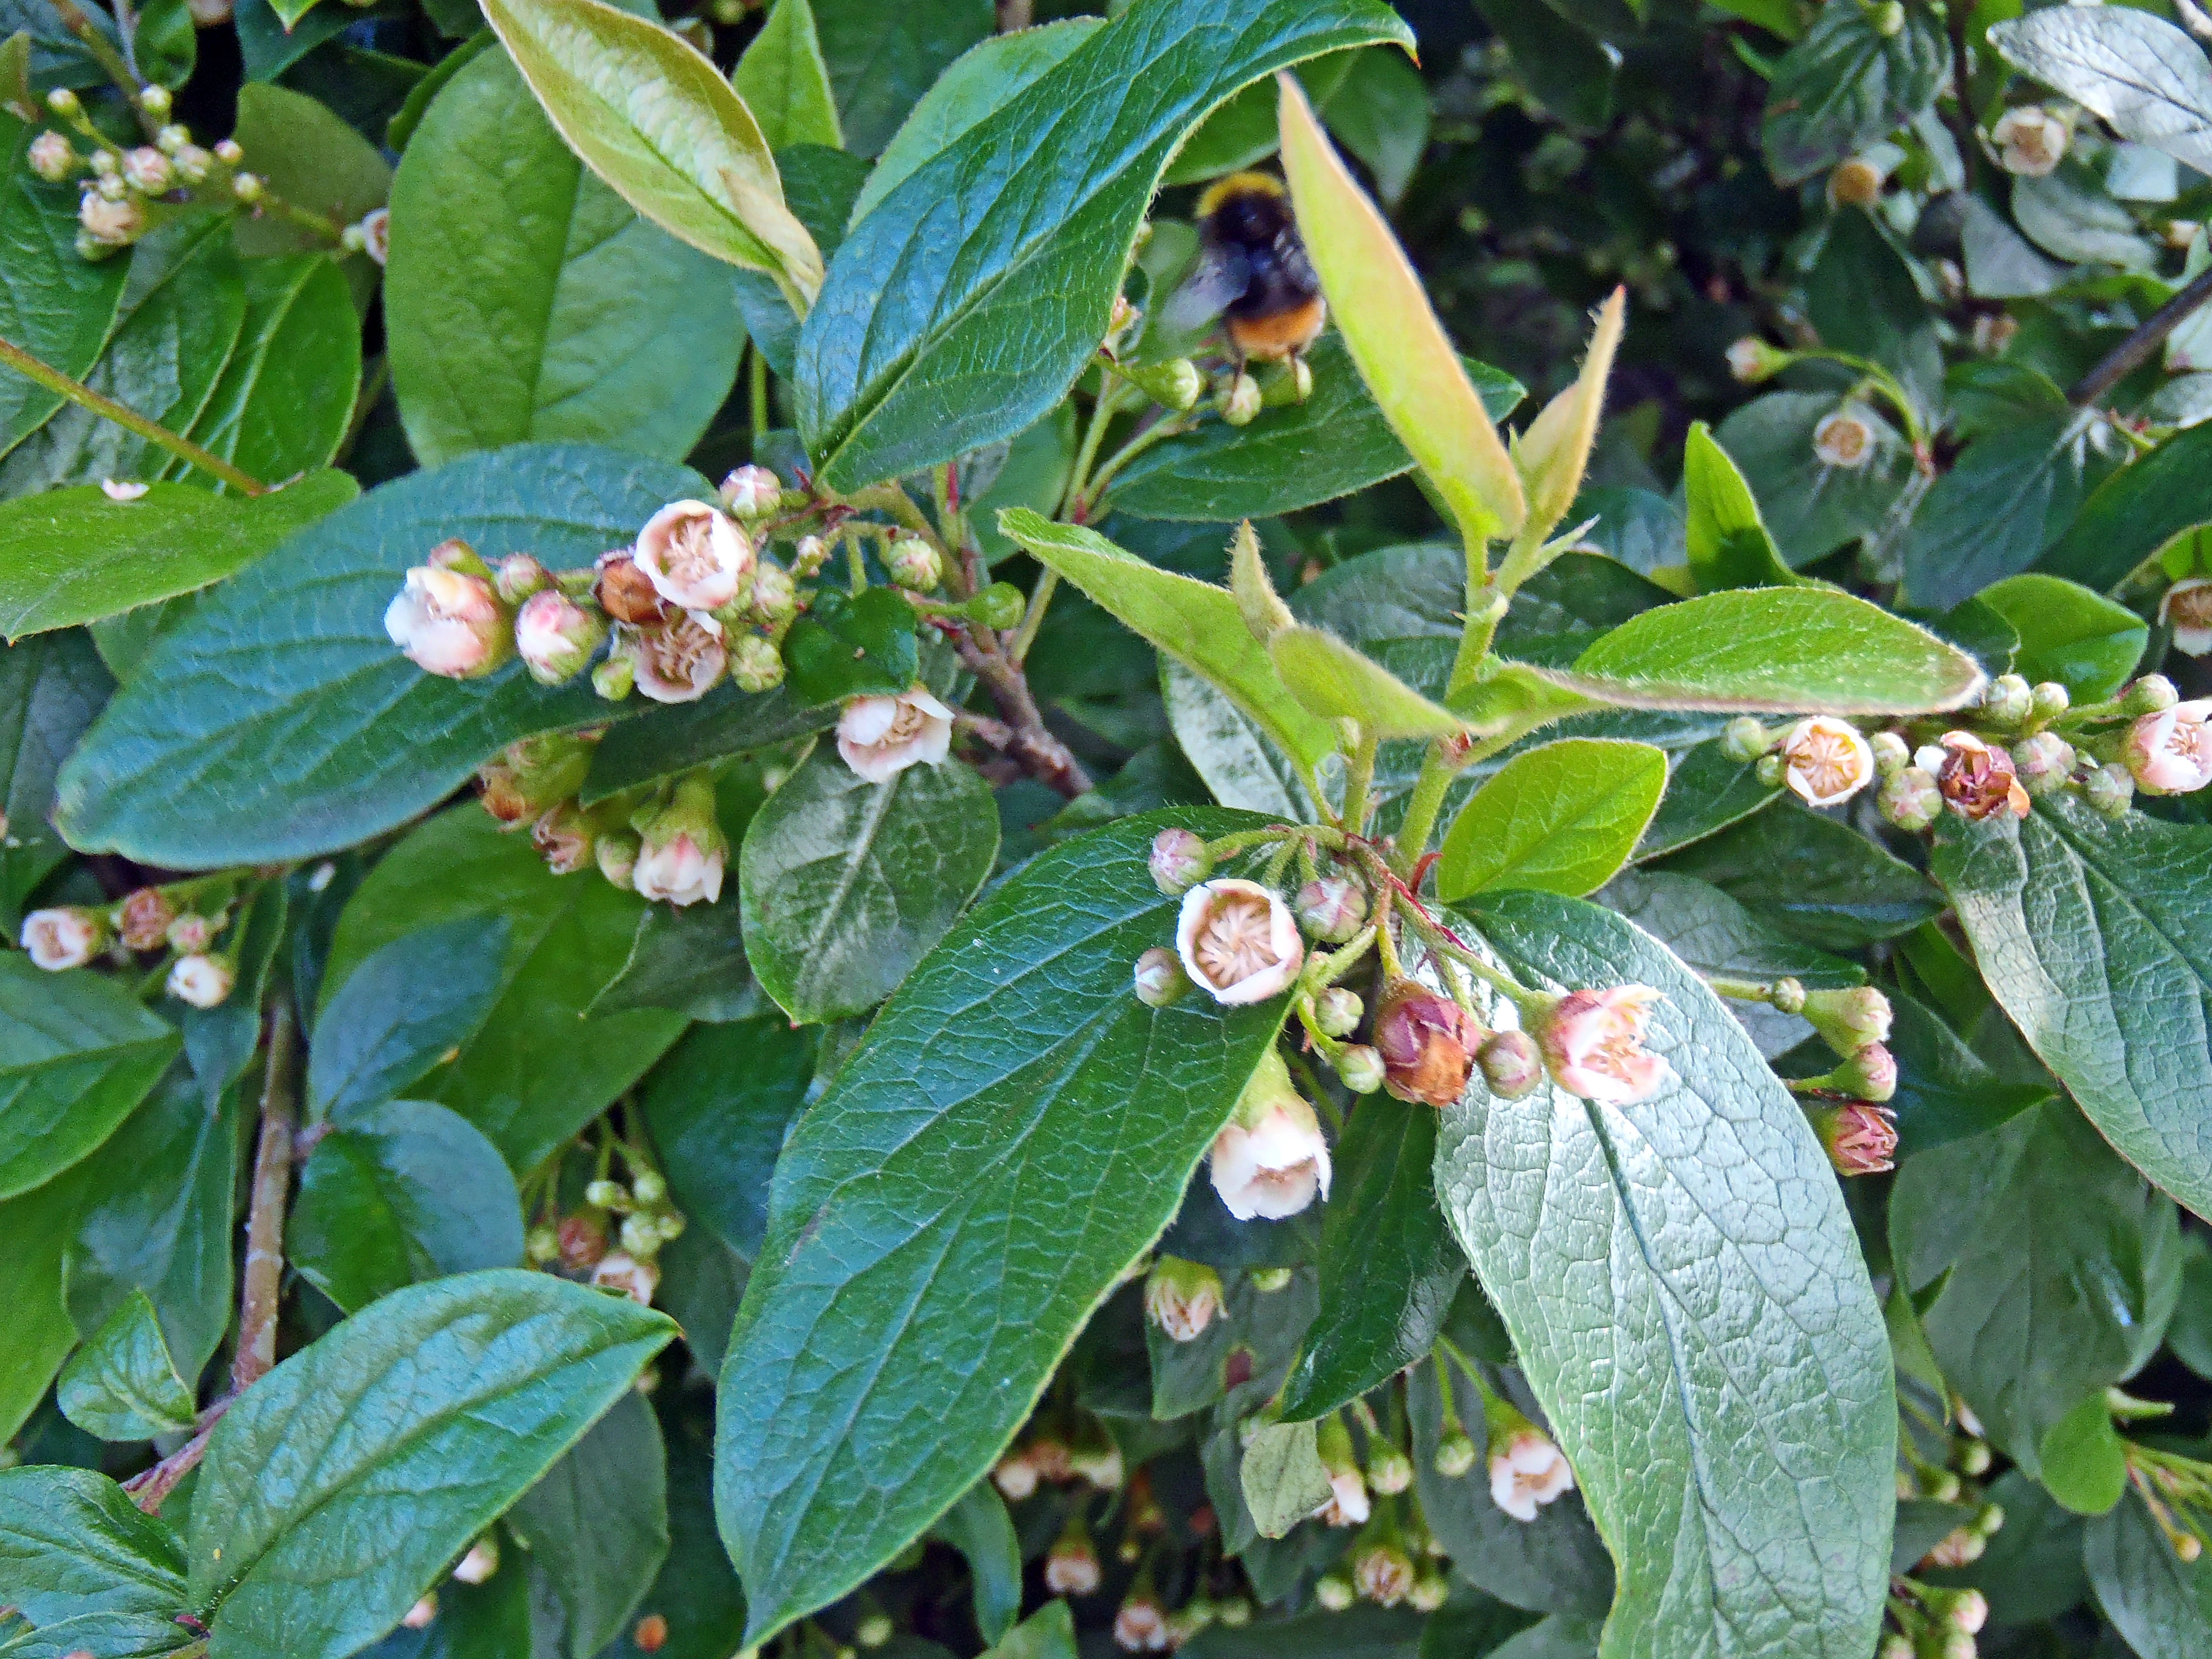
pixel 109 59
pixel 1043 756
pixel 129 420
pixel 148 1489
pixel 2124 358
pixel 265 1222
pixel 1962 122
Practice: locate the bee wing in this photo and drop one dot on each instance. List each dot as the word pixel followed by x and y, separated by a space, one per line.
pixel 1219 276
pixel 1291 253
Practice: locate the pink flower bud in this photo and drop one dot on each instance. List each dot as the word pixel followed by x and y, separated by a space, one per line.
pixel 142 918
pixel 1909 800
pixel 1141 1626
pixel 555 635
pixel 519 575
pixel 880 737
pixel 679 661
pixel 1859 1137
pixel 201 980
pixel 1182 1297
pixel 2170 752
pixel 809 555
pixel 1159 978
pixel 1511 1064
pixel 449 624
pixel 752 492
pixel 583 1240
pixel 2187 609
pixel 1271 1160
pixel 1526 1471
pixel 1238 940
pixel 1179 861
pixel 620 1270
pixel 64 937
pixel 1844 438
pixel 192 932
pixel 1072 1566
pixel 565 839
pixel 146 170
pixel 694 554
pixel 376 234
pixel 1332 908
pixel 1976 781
pixel 1849 1018
pixel 2109 789
pixel 419 1616
pixel 756 665
pixel 1426 1042
pixel 2031 141
pixel 1751 360
pixel 480 1563
pixel 1825 761
pixel 1593 1042
pixel 682 849
pixel 1870 1073
pixel 110 224
pixel 2043 762
pixel 52 157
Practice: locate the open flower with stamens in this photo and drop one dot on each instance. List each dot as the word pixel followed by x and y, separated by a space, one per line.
pixel 2170 752
pixel 1238 940
pixel 1825 761
pixel 679 661
pixel 1593 1042
pixel 449 624
pixel 2187 609
pixel 64 937
pixel 696 556
pixel 880 737
pixel 1527 1471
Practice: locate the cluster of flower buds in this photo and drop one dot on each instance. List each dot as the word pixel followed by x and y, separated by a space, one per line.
pixel 1064 1446
pixel 578 1245
pixel 665 842
pixel 1932 1623
pixel 1845 1105
pixel 123 193
pixel 182 920
pixel 2177 1489
pixel 1526 1467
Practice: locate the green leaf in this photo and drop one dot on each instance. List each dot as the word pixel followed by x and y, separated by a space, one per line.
pixel 2032 1567
pixel 122 1384
pixel 406 1004
pixel 2190 1335
pixel 1636 1253
pixel 524 300
pixel 597 1522
pixel 784 82
pixel 1568 68
pixel 397 1194
pixel 55 303
pixel 311 157
pixel 1778 650
pixel 1809 508
pixel 1729 546
pixel 1380 113
pixel 689 959
pixel 39 1331
pixel 51 687
pixel 1255 1337
pixel 279 721
pixel 695 1591
pixel 416 1423
pixel 1194 623
pixel 885 55
pixel 73 556
pixel 1813 877
pixel 2085 1461
pixel 534 1072
pixel 2159 1603
pixel 2082 640
pixel 979 1527
pixel 1945 1090
pixel 1707 791
pixel 77 1052
pixel 1283 1477
pixel 845 884
pixel 2058 1269
pixel 920 1264
pixel 856 646
pixel 73 1543
pixel 1561 818
pixel 719 1105
pixel 1336 681
pixel 1388 1269
pixel 904 362
pixel 2139 72
pixel 489 1620
pixel 1047 1633
pixel 1847 85
pixel 2008 498
pixel 2135 511
pixel 1293 456
pixel 651 115
pixel 2092 933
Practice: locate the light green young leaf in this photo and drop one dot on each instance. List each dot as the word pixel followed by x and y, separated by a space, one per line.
pixel 653 117
pixel 2138 71
pixel 2084 1461
pixel 416 1424
pixel 2088 643
pixel 309 156
pixel 1335 681
pixel 1283 1477
pixel 122 1384
pixel 1554 452
pixel 1561 818
pixel 74 555
pixel 1729 546
pixel 784 82
pixel 1403 353
pixel 73 1543
pixel 1047 1633
pixel 77 1052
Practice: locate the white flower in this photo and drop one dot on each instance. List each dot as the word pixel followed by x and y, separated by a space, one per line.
pixel 2170 752
pixel 480 1563
pixel 448 622
pixel 110 224
pixel 121 492
pixel 419 1616
pixel 1071 1568
pixel 881 737
pixel 695 555
pixel 1826 761
pixel 1526 1472
pixel 620 1270
pixel 1844 438
pixel 679 871
pixel 1348 1503
pixel 1271 1161
pixel 677 661
pixel 376 234
pixel 1592 1041
pixel 1015 1476
pixel 1238 940
pixel 2187 608
pixel 1141 1626
pixel 201 980
pixel 62 939
pixel 2030 140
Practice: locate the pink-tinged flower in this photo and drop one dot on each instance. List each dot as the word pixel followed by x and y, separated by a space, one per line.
pixel 146 169
pixel 1238 940
pixel 618 1270
pixel 1271 1161
pixel 2170 752
pixel 63 937
pixel 1977 780
pixel 1015 1476
pixel 1826 761
pixel 1182 1297
pixel 694 554
pixel 679 661
pixel 2030 140
pixel 1348 1503
pixel 682 851
pixel 202 980
pixel 1859 1137
pixel 449 624
pixel 1179 861
pixel 1071 1567
pixel 109 224
pixel 2187 609
pixel 1592 1041
pixel 376 234
pixel 555 636
pixel 565 839
pixel 192 932
pixel 880 737
pixel 52 157
pixel 1141 1626
pixel 122 490
pixel 1751 360
pixel 1528 1472
pixel 1844 438
pixel 1426 1042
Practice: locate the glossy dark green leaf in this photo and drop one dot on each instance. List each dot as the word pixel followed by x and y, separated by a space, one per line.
pixel 979 1527
pixel 533 1072
pixel 784 82
pixel 524 300
pixel 1559 818
pixel 719 1105
pixel 1707 790
pixel 2134 512
pixel 54 303
pixel 662 742
pixel 50 689
pixel 2008 497
pixel 2190 1335
pixel 852 647
pixel 416 1423
pixel 397 1194
pixel 406 1004
pixel 884 55
pixel 1670 1239
pixel 689 959
pixel 2161 1604
pixel 1847 85
pixel 1813 876
pixel 597 1522
pixel 2082 640
pixel 2062 1268
pixel 2093 933
pixel 697 1594
pixel 122 1384
pixel 920 1263
pixel 1945 1090
pixel 112 1635
pixel 489 1620
pixel 845 884
pixel 74 555
pixel 72 1543
pixel 281 721
pixel 1389 1267
pixel 77 1052
pixel 884 389
pixel 1729 543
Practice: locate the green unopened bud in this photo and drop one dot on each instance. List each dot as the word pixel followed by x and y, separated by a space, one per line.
pixel 2048 701
pixel 1894 1646
pixel 172 139
pixel 640 1236
pixel 1751 360
pixel 1159 978
pixel 2109 789
pixel 154 100
pixel 1849 1019
pixel 614 678
pixel 914 564
pixel 648 1187
pixel 542 1245
pixel 1787 995
pixel 1910 799
pixel 2042 762
pixel 756 665
pixel 1241 404
pixel 874 1630
pixel 1431 1589
pixel 617 852
pixel 1235 1612
pixel 998 605
pixel 605 1194
pixel 1175 384
pixel 1887 18
pixel 1771 770
pixel 62 101
pixel 1361 1068
pixel 1331 908
pixel 1301 378
pixel 1268 1280
pixel 1892 754
pixel 1455 1453
pixel 228 152
pixel 1989 1520
pixel 1974 1457
pixel 1388 1470
pixel 2008 700
pixel 1510 1063
pixel 1745 738
pixel 774 600
pixel 1333 1592
pixel 2153 694
pixel 1337 1010
pixel 247 187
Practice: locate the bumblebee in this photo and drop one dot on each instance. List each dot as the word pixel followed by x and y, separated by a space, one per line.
pixel 1252 271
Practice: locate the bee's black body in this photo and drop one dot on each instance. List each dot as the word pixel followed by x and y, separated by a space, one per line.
pixel 1253 270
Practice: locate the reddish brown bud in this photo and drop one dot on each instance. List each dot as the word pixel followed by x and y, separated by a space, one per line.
pixel 1425 1041
pixel 626 592
pixel 650 1634
pixel 143 919
pixel 1860 1138
pixel 1979 781
pixel 583 1241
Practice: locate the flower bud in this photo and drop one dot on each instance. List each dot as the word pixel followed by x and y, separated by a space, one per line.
pixel 583 1240
pixel 1175 384
pixel 1333 1592
pixel 1332 908
pixel 1337 1011
pixel 1789 996
pixel 202 981
pixel 1268 1280
pixel 1909 800
pixel 1745 738
pixel 998 605
pixel 480 1563
pixel 1512 1064
pixel 1751 360
pixel 1960 1548
pixel 752 492
pixel 519 575
pixel 1976 781
pixel 146 170
pixel 670 1225
pixel 52 157
pixel 626 592
pixel 1856 182
pixel 1383 1572
pixel 1848 1019
pixel 1426 1042
pixel 565 839
pixel 1770 769
pixel 1360 1068
pixel 1859 1138
pixel 1093 1455
pixel 914 564
pixel 639 1236
pixel 248 187
pixel 142 920
pixel 2031 141
pixel 1142 1624
pixel 1015 1476
pixel 154 100
pixel 2047 700
pixel 1526 1470
pixel 1238 941
pixel 681 660
pixel 1159 978
pixel 1455 1453
pixel 1844 438
pixel 62 101
pixel 1593 1044
pixel 192 932
pixel 2007 700
pixel 2170 752
pixel 1870 1073
pixel 2043 762
pixel 696 556
pixel 774 600
pixel 1825 761
pixel 449 624
pixel 64 936
pixel 541 1246
pixel 808 555
pixel 1071 1566
pixel 1240 404
pixel 617 852
pixel 2186 608
pixel 1233 1612
pixel 619 1271
pixel 650 1633
pixel 606 1194
pixel 1892 754
pixel 419 1616
pixel 1389 1471
pixel 2110 789
pixel 556 636
pixel 1182 1297
pixel 1894 1646
pixel 1179 861
pixel 880 737
pixel 1431 1589
pixel 1271 1160
pixel 104 165
pixel 2151 694
pixel 108 223
pixel 682 848
pixel 756 665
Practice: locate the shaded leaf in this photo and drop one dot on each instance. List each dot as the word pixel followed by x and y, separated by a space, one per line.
pixel 720 1104
pixel 784 82
pixel 122 1384
pixel 54 303
pixel 408 1002
pixel 77 1052
pixel 596 1523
